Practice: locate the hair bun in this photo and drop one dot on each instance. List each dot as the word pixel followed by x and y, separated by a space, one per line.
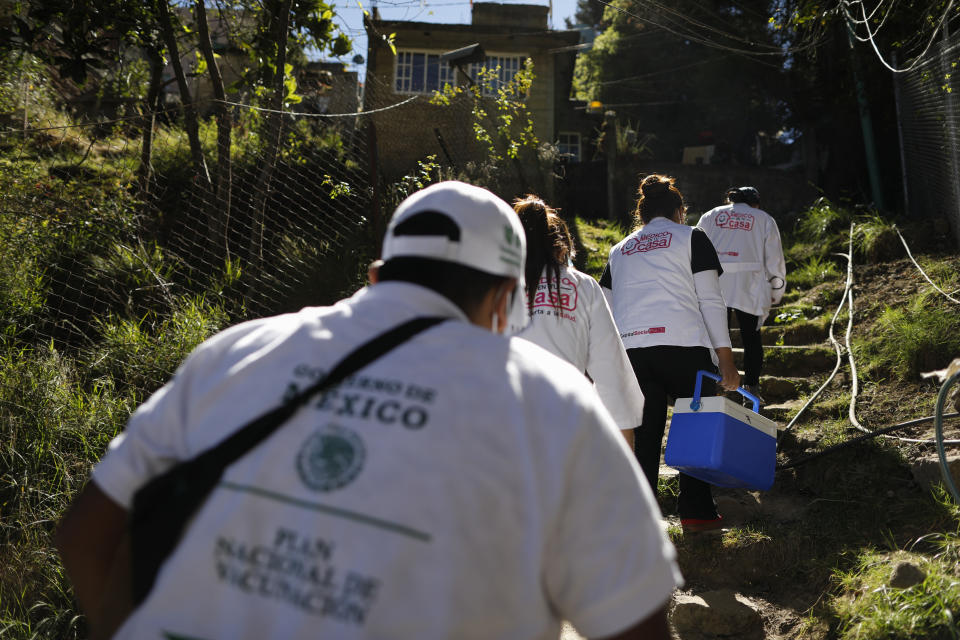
pixel 655 185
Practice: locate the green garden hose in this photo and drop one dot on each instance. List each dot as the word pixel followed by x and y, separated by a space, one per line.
pixel 938 423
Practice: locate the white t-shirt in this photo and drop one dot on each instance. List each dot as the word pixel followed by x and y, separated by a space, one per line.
pixel 464 485
pixel 748 242
pixel 573 321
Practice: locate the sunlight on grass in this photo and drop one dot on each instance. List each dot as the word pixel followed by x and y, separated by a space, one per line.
pixel 598 236
pixel 921 336
pixel 871 608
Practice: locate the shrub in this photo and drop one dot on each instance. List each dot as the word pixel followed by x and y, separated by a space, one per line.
pixel 821 220
pixel 875 238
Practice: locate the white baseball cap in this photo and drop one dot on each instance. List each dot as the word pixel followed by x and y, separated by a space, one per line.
pixel 491 238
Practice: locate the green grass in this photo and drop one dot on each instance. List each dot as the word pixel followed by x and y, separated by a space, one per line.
pixel 821 220
pixel 875 238
pixel 871 609
pixel 597 236
pixel 815 270
pixel 921 336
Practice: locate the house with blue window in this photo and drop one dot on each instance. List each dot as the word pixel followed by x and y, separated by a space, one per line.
pixel 426 56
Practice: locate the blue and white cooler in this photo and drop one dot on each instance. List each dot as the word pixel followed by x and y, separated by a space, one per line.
pixel 721 442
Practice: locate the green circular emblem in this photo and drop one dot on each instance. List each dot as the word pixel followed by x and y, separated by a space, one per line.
pixel 330 458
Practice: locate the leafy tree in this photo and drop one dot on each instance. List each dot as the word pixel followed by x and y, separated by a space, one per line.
pixel 831 55
pixel 90 39
pixel 588 12
pixel 691 72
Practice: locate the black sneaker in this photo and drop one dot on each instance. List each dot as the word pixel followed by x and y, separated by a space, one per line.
pixel 755 390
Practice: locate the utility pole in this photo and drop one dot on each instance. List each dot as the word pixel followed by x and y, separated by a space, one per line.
pixel 897 100
pixel 866 125
pixel 610 146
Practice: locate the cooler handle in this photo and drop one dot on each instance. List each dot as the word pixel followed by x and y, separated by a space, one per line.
pixel 695 403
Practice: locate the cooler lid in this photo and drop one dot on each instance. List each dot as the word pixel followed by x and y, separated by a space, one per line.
pixel 721 404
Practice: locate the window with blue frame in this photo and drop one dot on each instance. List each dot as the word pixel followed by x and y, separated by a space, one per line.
pixel 421 72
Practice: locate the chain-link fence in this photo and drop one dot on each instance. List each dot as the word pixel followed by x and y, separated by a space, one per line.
pixel 99 239
pixel 929 105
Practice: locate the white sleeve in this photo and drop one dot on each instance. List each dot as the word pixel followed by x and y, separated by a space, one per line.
pixel 152 442
pixel 774 263
pixel 155 437
pixel 609 367
pixel 608 562
pixel 712 307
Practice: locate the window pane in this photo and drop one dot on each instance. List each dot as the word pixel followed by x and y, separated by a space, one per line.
pixel 403 71
pixel 433 72
pixel 418 72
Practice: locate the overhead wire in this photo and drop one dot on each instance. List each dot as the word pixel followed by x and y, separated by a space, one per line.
pixel 664 71
pixel 780 51
pixel 920 269
pixel 893 3
pixel 707 27
pixel 871 37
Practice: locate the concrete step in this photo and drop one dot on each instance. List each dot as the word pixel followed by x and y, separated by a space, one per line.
pixel 793 360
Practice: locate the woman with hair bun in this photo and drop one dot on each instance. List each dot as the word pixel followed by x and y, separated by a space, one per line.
pixel 663 283
pixel 754 270
pixel 569 316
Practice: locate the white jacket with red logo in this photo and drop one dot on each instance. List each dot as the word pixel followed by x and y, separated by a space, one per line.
pixel 654 296
pixel 748 243
pixel 574 323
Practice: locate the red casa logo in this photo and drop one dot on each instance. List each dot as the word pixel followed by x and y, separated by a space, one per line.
pixel 562 297
pixel 644 243
pixel 734 220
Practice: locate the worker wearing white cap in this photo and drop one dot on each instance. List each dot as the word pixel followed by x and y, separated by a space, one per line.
pixel 747 241
pixel 462 485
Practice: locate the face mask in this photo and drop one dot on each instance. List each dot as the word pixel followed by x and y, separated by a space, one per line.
pixel 517 315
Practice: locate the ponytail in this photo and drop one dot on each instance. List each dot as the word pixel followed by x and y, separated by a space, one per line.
pixel 549 245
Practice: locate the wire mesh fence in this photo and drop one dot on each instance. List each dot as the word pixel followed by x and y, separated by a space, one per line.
pixel 929 103
pixel 98 239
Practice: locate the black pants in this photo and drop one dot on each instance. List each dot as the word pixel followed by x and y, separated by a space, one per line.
pixel 752 347
pixel 666 373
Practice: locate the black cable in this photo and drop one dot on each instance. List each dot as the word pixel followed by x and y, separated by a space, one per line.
pixel 859 439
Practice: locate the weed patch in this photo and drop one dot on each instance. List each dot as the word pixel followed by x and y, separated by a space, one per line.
pixel 874 607
pixel 922 336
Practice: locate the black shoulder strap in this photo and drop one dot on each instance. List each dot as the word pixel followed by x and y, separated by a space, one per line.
pixel 162 507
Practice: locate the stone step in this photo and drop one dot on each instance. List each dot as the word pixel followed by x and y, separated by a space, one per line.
pixel 793 360
pixel 782 412
pixel 779 389
pixel 796 333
